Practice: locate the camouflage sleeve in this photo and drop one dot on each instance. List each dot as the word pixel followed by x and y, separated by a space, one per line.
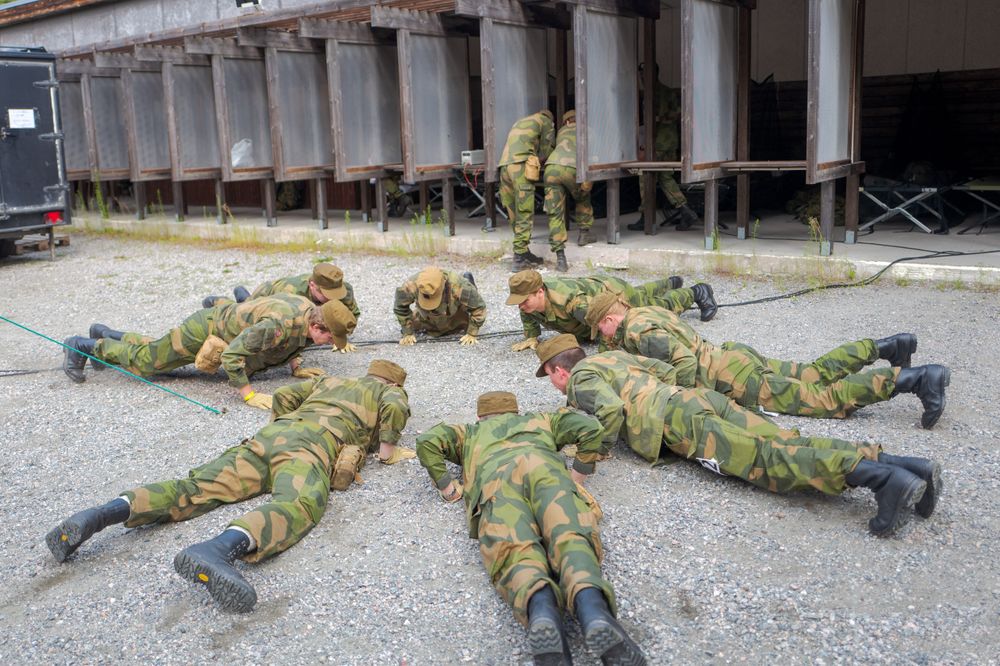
pixel 547 140
pixel 349 301
pixel 595 396
pixel 405 296
pixel 474 305
pixel 663 346
pixel 440 443
pixel 393 413
pixel 260 337
pixel 531 327
pixel 572 427
pixel 262 290
pixel 288 398
pixel 663 371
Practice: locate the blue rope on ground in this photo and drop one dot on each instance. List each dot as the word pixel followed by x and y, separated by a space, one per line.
pixel 113 367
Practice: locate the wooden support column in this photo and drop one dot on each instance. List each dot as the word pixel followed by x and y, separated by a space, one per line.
pixel 425 198
pixel 649 129
pixel 742 205
pixel 490 206
pixel 561 63
pixel 312 199
pixel 270 208
pixel 139 189
pixel 614 199
pixel 366 201
pixel 448 204
pixel 380 205
pixel 180 205
pixel 711 212
pixel 827 197
pixel 220 202
pixel 851 201
pixel 320 204
pixel 743 122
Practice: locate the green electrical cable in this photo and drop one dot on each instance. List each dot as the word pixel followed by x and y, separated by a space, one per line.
pixel 114 367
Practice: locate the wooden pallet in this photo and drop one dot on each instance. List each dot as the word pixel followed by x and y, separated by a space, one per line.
pixel 38 243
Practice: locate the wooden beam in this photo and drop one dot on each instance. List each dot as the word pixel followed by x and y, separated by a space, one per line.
pixel 508 11
pixel 172 54
pixel 640 8
pixel 84 67
pixel 743 122
pixel 354 33
pixel 422 23
pixel 222 47
pixel 125 61
pixel 274 39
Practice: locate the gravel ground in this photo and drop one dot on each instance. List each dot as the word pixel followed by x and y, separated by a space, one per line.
pixel 706 570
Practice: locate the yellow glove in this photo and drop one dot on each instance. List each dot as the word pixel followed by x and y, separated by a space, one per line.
pixel 528 343
pixel 398 455
pixel 456 493
pixel 258 400
pixel 308 373
pixel 348 348
pixel 467 340
pixel 586 186
pixel 408 340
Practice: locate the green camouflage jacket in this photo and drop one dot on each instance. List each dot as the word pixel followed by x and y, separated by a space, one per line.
pixel 564 154
pixel 299 285
pixel 531 135
pixel 628 395
pixel 566 303
pixel 364 411
pixel 482 448
pixel 666 104
pixel 261 333
pixel 460 296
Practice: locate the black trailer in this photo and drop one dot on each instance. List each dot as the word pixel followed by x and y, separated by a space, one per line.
pixel 34 193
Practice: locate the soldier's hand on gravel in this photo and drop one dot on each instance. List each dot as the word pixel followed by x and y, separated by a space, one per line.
pixel 408 340
pixel 398 455
pixel 348 348
pixel 467 340
pixel 530 343
pixel 308 373
pixel 259 400
pixel 454 495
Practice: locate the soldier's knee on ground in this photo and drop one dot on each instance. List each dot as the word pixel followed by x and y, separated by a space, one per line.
pixel 209 357
pixel 349 462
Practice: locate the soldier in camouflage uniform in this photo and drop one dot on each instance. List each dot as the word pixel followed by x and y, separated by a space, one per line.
pixel 325 283
pixel 399 201
pixel 537 530
pixel 560 304
pixel 445 301
pixel 560 182
pixel 529 143
pixel 314 423
pixel 666 143
pixel 637 398
pixel 241 337
pixel 833 386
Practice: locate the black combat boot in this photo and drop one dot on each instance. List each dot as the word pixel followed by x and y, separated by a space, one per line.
pixel 585 237
pixel 896 491
pixel 70 533
pixel 897 349
pixel 928 383
pixel 99 331
pixel 74 363
pixel 546 636
pixel 602 632
pixel 638 225
pixel 704 298
pixel 928 470
pixel 561 264
pixel 687 217
pixel 468 276
pixel 533 258
pixel 520 263
pixel 676 281
pixel 211 563
pixel 241 293
pixel 210 301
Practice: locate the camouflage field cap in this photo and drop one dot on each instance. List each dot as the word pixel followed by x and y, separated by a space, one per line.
pixel 553 347
pixel 430 287
pixel 339 321
pixel 569 116
pixel 387 370
pixel 522 285
pixel 329 279
pixel 546 112
pixel 599 307
pixel 496 402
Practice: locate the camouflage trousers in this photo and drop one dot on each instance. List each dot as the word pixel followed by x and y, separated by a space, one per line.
pixel 659 293
pixel 730 440
pixel 391 186
pixel 665 150
pixel 145 357
pixel 290 460
pixel 560 182
pixel 536 530
pixel 517 194
pixel 831 387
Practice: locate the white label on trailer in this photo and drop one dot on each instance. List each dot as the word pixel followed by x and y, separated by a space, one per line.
pixel 21 118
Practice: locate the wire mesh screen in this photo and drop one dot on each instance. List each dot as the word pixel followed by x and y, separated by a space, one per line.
pixel 520 86
pixel 194 109
pixel 109 123
pixel 440 91
pixel 71 111
pixel 150 121
pixel 305 109
pixel 835 52
pixel 369 101
pixel 612 112
pixel 246 108
pixel 714 60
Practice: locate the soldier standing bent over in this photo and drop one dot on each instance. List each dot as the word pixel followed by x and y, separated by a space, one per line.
pixel 560 183
pixel 315 423
pixel 537 530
